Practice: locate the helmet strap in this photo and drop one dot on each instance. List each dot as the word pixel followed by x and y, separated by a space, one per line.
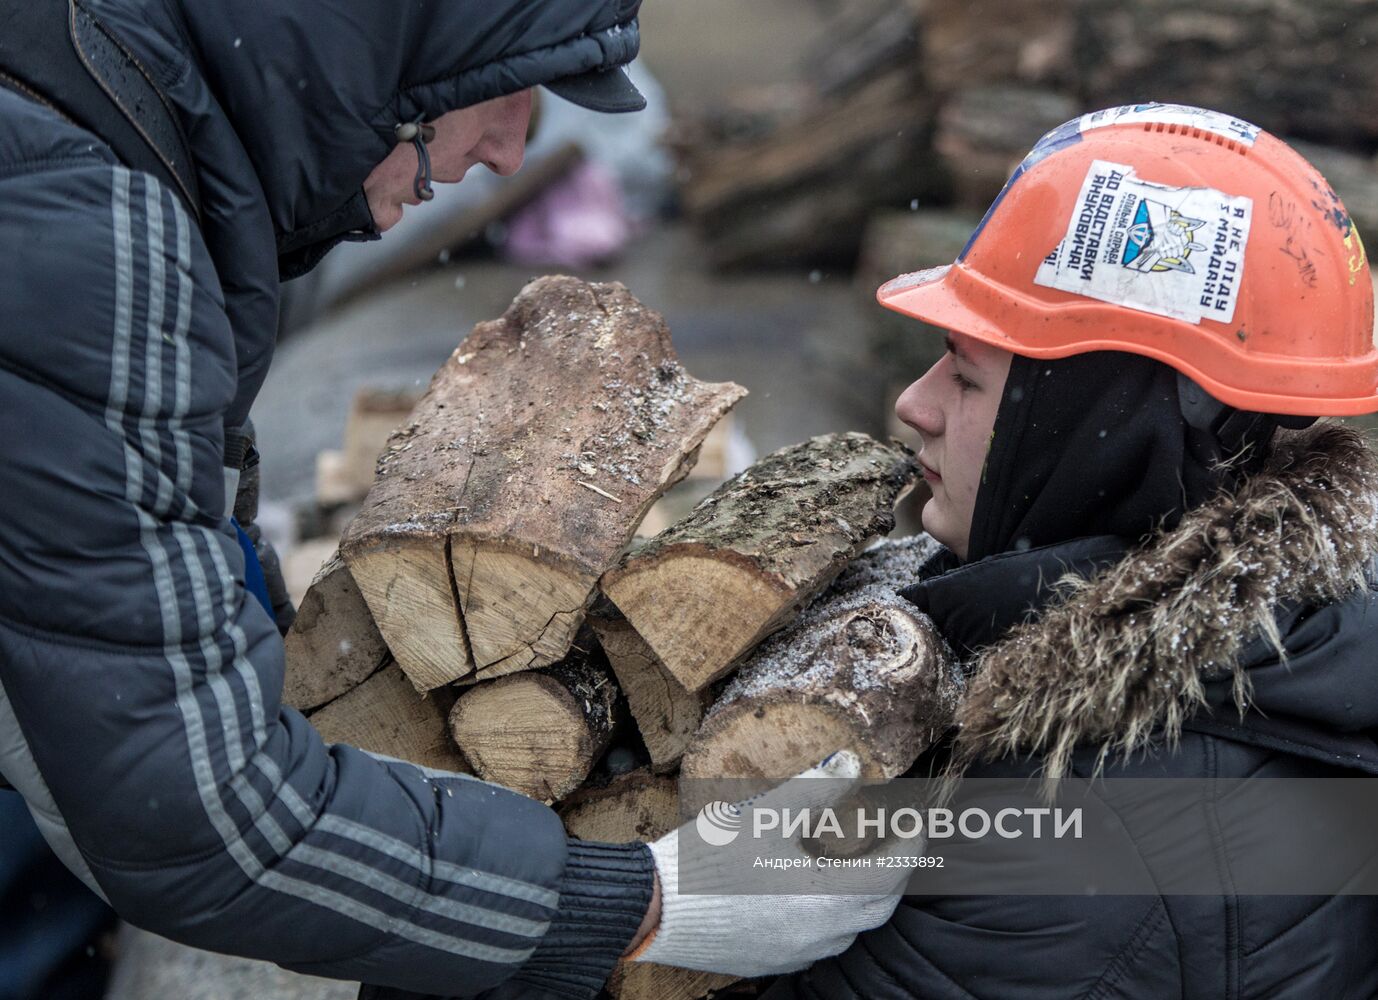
pixel 1219 434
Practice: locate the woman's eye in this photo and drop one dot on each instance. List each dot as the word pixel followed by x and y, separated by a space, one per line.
pixel 962 381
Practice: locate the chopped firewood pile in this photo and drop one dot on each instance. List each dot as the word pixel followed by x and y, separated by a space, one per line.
pixel 928 105
pixel 489 609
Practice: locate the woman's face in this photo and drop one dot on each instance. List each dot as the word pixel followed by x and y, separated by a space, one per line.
pixel 953 408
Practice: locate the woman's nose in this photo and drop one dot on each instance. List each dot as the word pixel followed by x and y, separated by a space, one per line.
pixel 916 405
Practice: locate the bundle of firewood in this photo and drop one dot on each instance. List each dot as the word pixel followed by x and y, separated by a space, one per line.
pixel 486 612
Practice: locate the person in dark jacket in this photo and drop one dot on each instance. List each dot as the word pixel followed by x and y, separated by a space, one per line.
pixel 1152 568
pixel 140 683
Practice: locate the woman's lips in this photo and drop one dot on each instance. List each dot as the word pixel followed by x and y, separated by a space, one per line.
pixel 930 475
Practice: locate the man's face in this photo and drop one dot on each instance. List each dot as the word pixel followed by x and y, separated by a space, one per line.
pixel 953 408
pixel 492 133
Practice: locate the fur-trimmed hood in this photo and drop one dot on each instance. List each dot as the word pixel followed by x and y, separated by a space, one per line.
pixel 1128 654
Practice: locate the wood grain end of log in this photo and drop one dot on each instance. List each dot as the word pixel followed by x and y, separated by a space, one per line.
pixel 637 806
pixel 538 732
pixel 409 586
pixel 681 606
pixel 707 590
pixel 387 715
pixel 649 981
pixel 522 608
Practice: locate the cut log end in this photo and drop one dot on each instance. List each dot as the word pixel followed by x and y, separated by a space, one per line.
pixel 769 741
pixel 521 611
pixel 706 591
pixel 697 612
pixel 666 713
pixel 410 590
pixel 541 732
pixel 386 715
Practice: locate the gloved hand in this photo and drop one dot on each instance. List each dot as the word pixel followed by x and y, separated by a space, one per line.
pixel 758 935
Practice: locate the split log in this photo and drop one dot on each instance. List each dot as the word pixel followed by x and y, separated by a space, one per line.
pixel 862 669
pixel 638 806
pixel 649 981
pixel 333 645
pixel 790 197
pixel 539 732
pixel 983 133
pixel 705 592
pixel 665 712
pixel 1295 67
pixel 520 476
pixel 387 715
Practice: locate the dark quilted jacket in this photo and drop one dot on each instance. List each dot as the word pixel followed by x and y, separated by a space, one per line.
pixel 140 713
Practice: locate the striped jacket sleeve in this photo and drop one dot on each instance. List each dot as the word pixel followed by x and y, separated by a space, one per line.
pixel 140 711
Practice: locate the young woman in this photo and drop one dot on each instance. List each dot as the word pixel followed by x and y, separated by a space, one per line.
pixel 1140 335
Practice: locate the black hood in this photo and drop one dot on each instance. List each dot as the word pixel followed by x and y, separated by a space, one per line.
pixel 315 88
pixel 1093 444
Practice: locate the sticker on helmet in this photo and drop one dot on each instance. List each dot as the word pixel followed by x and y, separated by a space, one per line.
pixel 1173 114
pixel 1176 252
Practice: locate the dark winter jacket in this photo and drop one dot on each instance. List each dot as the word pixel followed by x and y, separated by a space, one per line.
pixel 140 712
pixel 1135 656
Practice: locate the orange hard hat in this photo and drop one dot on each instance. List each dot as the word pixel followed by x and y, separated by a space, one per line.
pixel 1181 234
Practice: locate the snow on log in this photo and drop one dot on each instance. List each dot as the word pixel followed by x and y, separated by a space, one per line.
pixel 861 669
pixel 706 591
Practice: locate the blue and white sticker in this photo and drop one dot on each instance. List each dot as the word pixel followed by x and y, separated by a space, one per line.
pixel 1176 252
pixel 1173 114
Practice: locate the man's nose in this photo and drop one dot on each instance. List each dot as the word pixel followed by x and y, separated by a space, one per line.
pixel 504 146
pixel 503 155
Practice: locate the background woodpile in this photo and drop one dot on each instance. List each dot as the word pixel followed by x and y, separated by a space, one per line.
pixel 490 609
pixel 910 114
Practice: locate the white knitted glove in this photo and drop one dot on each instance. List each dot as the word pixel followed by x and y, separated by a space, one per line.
pixel 759 935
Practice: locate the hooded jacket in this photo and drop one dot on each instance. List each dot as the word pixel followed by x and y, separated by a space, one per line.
pixel 1236 645
pixel 140 712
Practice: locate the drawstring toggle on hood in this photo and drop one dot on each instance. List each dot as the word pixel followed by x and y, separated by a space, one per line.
pixel 419 135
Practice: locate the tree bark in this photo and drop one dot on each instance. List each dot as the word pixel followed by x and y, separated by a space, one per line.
pixel 862 669
pixel 705 592
pixel 519 478
pixel 539 732
pixel 333 645
pixel 387 715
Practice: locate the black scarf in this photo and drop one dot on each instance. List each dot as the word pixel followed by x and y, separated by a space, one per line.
pixel 1093 444
pixel 1089 455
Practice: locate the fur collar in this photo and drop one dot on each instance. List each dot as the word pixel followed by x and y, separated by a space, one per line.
pixel 1122 658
